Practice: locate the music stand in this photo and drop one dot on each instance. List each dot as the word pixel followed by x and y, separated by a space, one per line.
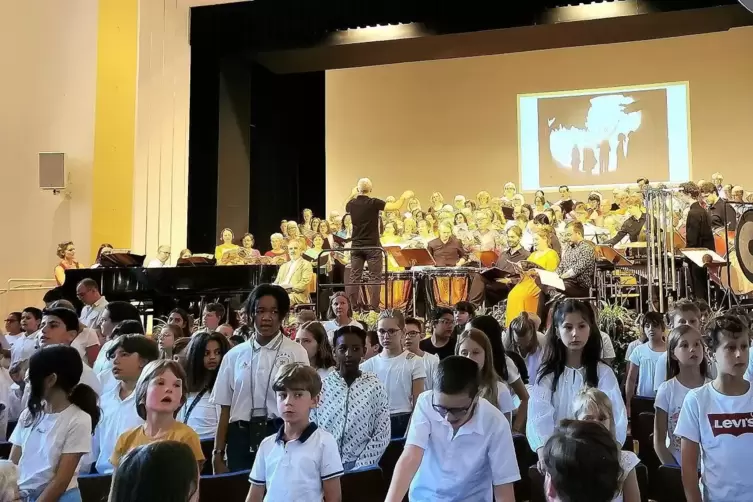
pixel 508 213
pixel 117 260
pixel 196 261
pixel 613 256
pixel 408 258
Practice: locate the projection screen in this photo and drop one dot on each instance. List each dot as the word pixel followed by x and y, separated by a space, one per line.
pixel 604 137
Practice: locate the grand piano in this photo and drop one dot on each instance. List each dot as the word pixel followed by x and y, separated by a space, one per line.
pixel 159 290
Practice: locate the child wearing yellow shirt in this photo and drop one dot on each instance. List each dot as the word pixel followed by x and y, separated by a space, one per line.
pixel 159 395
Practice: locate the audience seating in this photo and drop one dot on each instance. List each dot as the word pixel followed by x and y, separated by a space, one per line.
pixel 94 487
pixel 207 446
pixel 669 478
pixel 525 458
pixel 390 458
pixel 641 472
pixel 364 485
pixel 231 487
pixel 637 406
pixel 5 447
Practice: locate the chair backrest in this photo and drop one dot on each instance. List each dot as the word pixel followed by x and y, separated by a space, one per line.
pixel 669 479
pixel 639 405
pixel 641 472
pixel 94 487
pixel 231 486
pixel 537 485
pixel 525 458
pixel 365 485
pixel 207 447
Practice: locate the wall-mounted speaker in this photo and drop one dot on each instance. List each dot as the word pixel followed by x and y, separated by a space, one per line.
pixel 52 170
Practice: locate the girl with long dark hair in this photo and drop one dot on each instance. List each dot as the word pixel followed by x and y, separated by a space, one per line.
pixel 204 355
pixel 572 361
pixel 55 430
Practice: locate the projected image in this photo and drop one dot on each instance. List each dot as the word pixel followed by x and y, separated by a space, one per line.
pixel 604 137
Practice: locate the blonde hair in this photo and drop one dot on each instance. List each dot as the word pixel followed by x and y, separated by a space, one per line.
pixel 153 370
pixel 489 377
pixel 544 231
pixel 395 314
pixel 8 480
pixel 62 248
pixel 591 398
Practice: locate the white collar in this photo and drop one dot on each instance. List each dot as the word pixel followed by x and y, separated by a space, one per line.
pixel 274 343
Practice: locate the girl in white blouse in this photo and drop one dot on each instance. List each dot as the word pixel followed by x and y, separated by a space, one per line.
pixel 571 362
pixel 203 357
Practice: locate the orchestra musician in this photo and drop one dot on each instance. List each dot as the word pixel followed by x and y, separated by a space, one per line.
pixel 447 250
pixel 717 207
pixel 497 290
pixel 698 234
pixel 632 226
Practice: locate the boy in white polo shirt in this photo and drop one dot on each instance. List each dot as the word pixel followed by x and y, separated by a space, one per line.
pixel 243 388
pixel 301 462
pixel 459 446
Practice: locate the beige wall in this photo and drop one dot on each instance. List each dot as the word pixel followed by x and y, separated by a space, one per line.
pixel 451 125
pixel 48 52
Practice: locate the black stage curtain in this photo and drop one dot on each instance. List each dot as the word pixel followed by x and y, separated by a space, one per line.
pixel 288 164
pixel 287 150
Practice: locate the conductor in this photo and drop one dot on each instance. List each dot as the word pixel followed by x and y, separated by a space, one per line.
pixel 364 213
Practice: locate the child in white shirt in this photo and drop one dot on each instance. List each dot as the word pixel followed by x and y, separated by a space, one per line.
pixel 571 362
pixel 685 312
pixel 687 370
pixel 715 422
pixel 301 462
pixel 593 405
pixel 55 431
pixel 475 345
pixel 414 332
pixel 401 372
pixel 644 358
pixel 459 446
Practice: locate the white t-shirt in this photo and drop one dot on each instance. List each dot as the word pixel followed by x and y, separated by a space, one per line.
pixel 102 363
pixel 204 416
pixel 631 347
pixel 397 374
pixel 24 348
pixel 669 398
pixel 430 361
pixel 646 359
pixel 43 443
pixel 628 461
pixel 504 398
pixel 12 338
pixel 331 326
pixel 723 427
pixel 87 338
pixel 118 416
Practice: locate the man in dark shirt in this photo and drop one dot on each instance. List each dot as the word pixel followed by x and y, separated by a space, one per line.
pixel 634 224
pixel 364 213
pixel 441 343
pixel 446 249
pixel 497 290
pixel 698 234
pixel 718 207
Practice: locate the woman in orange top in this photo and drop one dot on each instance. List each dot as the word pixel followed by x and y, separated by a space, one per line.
pixel 67 255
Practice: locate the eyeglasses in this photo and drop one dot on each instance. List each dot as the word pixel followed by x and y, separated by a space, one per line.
pixel 412 334
pixel 455 412
pixel 390 332
pixel 445 321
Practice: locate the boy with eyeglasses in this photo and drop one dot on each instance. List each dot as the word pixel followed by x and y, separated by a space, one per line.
pixel 441 343
pixel 414 332
pixel 459 446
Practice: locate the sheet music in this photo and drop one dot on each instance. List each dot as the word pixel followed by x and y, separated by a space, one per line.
pixel 696 256
pixel 551 279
